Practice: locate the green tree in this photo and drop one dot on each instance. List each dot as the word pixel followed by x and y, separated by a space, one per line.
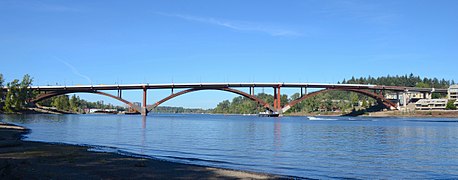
pixel 353 99
pixel 61 103
pixel 75 103
pixel 223 107
pixel 451 105
pixel 25 92
pixel 1 92
pixel 12 102
pixel 364 104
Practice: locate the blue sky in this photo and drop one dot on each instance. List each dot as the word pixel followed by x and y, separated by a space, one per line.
pixel 107 42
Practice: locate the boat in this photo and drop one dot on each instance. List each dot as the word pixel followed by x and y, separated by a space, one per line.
pixel 268 114
pixel 132 113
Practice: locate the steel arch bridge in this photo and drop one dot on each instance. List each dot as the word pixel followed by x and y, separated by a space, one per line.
pixel 373 91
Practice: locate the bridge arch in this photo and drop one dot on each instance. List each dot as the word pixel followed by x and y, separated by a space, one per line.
pixel 253 98
pixel 380 99
pixel 48 95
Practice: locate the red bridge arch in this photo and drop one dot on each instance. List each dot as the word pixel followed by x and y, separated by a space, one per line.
pixel 251 97
pixel 380 99
pixel 48 95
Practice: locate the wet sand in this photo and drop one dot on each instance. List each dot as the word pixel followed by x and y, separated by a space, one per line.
pixel 35 160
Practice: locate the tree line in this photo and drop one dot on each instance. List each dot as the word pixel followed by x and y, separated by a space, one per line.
pixel 75 104
pixel 179 110
pixel 405 80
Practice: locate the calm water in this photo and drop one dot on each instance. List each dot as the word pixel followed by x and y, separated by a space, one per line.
pixel 366 148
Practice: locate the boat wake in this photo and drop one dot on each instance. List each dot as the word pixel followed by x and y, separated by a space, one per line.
pixel 312 118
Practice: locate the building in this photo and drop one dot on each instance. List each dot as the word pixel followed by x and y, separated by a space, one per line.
pixel 431 104
pixel 410 97
pixel 453 92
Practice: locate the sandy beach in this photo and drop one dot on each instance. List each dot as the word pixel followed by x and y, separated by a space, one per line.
pixel 35 160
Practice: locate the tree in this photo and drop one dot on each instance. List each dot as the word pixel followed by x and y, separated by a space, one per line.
pixel 61 103
pixel 25 92
pixel 223 107
pixel 353 99
pixel 451 105
pixel 11 99
pixel 364 104
pixel 1 91
pixel 74 103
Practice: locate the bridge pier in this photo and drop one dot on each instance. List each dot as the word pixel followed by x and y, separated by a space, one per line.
pixel 144 110
pixel 119 93
pixel 303 91
pixel 404 98
pixel 277 99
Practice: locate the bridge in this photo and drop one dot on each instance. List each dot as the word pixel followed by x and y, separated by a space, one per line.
pixel 373 91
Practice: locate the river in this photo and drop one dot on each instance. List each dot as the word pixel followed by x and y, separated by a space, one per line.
pixel 317 147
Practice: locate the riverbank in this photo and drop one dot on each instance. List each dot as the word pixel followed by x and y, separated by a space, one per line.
pixel 421 114
pixel 31 160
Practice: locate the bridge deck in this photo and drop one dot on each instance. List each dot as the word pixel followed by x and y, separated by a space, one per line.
pixel 233 85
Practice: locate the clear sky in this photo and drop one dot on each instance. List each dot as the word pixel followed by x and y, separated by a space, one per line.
pixel 107 42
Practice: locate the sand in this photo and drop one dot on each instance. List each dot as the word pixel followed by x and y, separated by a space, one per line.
pixel 35 160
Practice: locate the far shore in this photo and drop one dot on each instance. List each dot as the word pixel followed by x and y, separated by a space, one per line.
pixel 394 113
pixel 36 160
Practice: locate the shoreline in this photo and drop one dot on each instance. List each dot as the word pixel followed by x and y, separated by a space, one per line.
pixel 389 114
pixel 30 160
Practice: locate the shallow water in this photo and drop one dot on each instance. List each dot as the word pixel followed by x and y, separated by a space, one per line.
pixel 318 147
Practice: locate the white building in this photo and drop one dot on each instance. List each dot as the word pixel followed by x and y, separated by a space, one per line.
pixel 431 104
pixel 453 92
pixel 410 97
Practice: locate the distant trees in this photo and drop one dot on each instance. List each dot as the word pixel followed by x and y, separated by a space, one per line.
pixel 75 104
pixel 167 109
pixel 405 80
pixel 17 95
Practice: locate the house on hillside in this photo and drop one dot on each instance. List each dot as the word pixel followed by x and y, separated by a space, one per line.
pixel 431 104
pixel 453 92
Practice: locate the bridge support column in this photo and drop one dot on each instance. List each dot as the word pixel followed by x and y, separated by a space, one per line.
pixel 404 98
pixel 119 93
pixel 303 91
pixel 277 99
pixel 252 91
pixel 144 110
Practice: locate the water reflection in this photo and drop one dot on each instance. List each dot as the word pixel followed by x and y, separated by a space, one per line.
pixel 143 146
pixel 277 133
